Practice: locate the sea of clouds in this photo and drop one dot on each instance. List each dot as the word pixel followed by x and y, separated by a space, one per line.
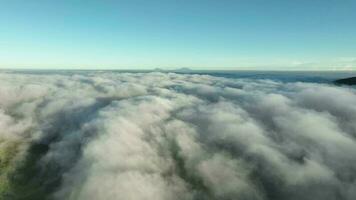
pixel 167 136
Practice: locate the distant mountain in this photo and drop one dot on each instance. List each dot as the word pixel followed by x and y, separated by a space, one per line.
pixel 158 69
pixel 346 81
pixel 183 69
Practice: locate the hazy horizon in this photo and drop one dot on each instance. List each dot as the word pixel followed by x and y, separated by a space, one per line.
pixel 175 69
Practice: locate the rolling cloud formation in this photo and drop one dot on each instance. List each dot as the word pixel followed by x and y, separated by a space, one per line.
pixel 166 136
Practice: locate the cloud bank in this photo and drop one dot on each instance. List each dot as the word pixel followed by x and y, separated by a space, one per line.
pixel 166 136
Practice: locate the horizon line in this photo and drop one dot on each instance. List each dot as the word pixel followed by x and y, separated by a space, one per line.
pixel 173 70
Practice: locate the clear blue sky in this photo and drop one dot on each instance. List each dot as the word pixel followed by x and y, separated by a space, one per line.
pixel 200 34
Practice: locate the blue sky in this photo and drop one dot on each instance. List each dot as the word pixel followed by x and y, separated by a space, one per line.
pixel 200 34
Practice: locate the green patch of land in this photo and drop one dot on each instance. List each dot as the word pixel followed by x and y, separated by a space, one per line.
pixel 8 155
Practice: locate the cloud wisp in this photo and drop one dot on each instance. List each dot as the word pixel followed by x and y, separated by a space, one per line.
pixel 167 136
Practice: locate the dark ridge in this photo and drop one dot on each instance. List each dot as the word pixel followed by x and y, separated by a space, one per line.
pixel 346 81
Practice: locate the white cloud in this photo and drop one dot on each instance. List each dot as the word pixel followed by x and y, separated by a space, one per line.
pixel 109 135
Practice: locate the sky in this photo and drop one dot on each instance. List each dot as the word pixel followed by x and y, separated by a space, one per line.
pixel 170 34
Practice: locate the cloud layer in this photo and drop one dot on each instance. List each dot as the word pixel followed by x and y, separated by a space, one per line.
pixel 167 136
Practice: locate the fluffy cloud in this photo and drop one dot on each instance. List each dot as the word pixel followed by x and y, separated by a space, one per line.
pixel 107 135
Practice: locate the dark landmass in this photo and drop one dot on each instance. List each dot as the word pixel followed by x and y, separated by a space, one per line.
pixel 346 81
